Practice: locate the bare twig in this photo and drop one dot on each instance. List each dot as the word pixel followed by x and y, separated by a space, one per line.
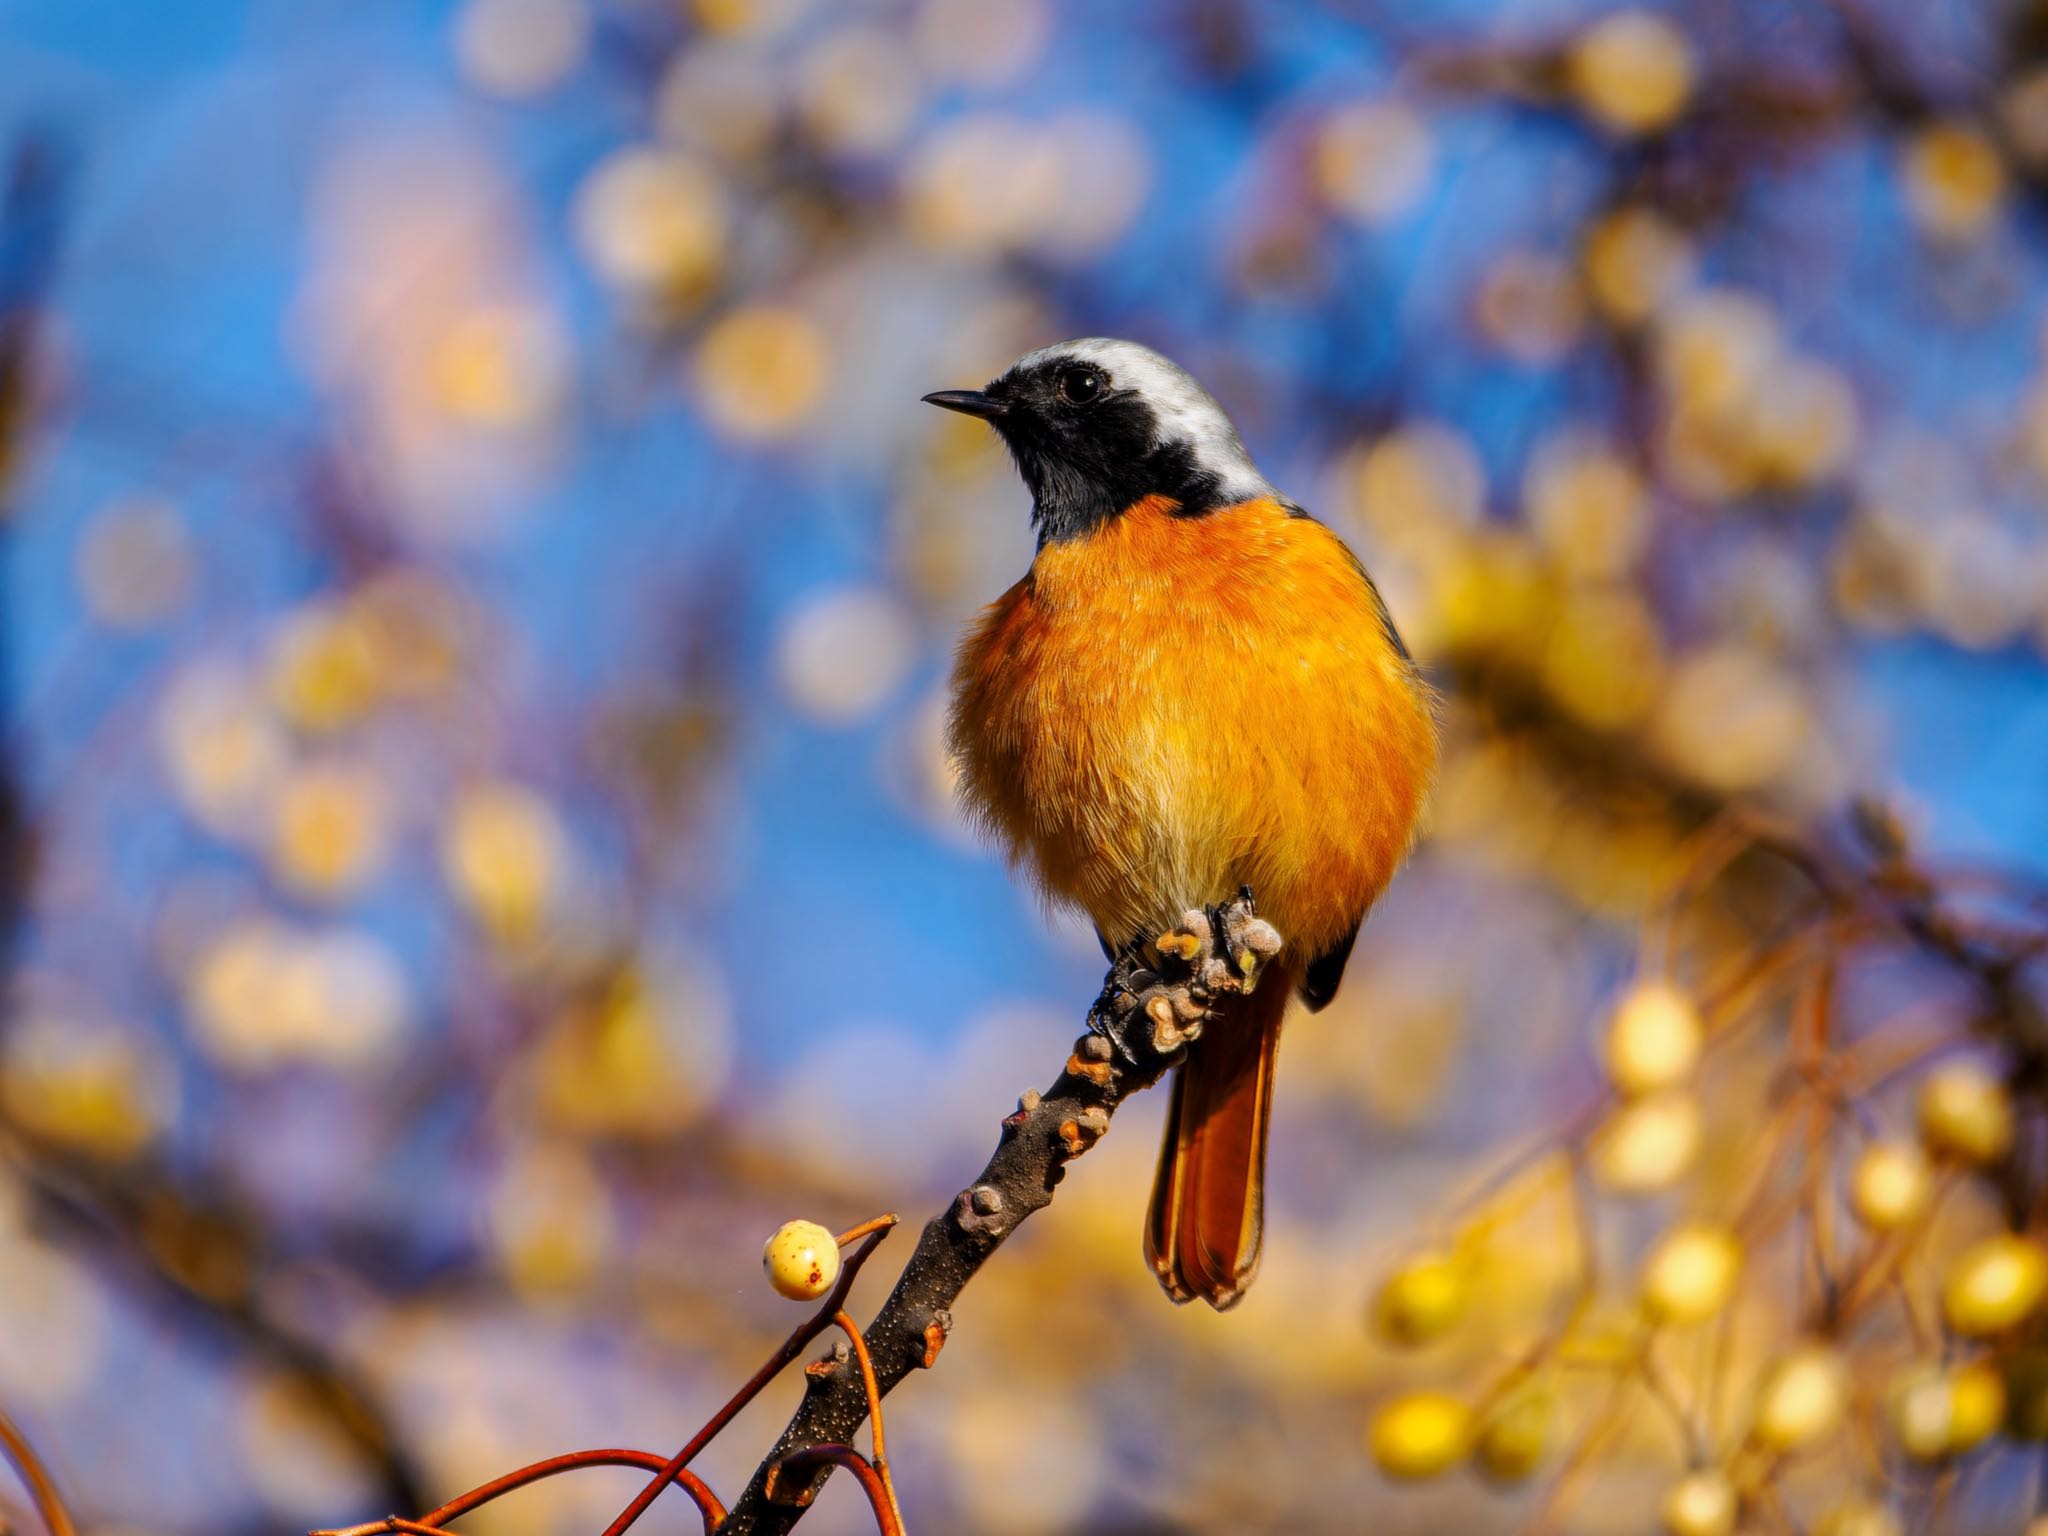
pixel 871 1233
pixel 809 1467
pixel 575 1461
pixel 874 1395
pixel 42 1488
pixel 1134 1036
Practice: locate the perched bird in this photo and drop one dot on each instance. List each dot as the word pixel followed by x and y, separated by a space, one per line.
pixel 1195 688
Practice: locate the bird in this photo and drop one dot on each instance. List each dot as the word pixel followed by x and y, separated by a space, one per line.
pixel 1195 688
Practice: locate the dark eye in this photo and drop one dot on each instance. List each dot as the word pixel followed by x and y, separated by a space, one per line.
pixel 1079 386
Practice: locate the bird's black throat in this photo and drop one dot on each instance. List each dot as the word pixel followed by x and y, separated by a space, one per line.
pixel 1084 472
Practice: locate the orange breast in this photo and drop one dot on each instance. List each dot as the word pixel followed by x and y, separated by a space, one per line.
pixel 1173 707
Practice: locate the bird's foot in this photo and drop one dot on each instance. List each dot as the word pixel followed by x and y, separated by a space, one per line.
pixel 1174 978
pixel 1248 939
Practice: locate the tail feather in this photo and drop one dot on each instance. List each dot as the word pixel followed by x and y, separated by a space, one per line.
pixel 1206 1224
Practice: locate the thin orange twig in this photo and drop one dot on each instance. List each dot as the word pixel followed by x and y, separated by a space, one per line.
pixel 42 1488
pixel 881 1499
pixel 873 1232
pixel 706 1501
pixel 874 1391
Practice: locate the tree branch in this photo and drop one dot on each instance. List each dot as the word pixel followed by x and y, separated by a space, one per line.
pixel 1137 1029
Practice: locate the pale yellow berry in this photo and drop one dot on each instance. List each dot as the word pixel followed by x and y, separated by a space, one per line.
pixel 1994 1285
pixel 1860 1517
pixel 1649 1144
pixel 802 1260
pixel 1890 1185
pixel 1653 1040
pixel 1421 1434
pixel 1424 1299
pixel 1516 1434
pixel 1937 1412
pixel 1700 1504
pixel 1802 1398
pixel 1690 1274
pixel 1966 1113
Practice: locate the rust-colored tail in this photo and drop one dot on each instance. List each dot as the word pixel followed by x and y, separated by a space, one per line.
pixel 1207 1221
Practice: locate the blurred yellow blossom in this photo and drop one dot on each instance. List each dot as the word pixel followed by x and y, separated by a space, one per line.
pixel 84 1087
pixel 1802 423
pixel 1633 70
pixel 1603 658
pixel 323 668
pixel 225 748
pixel 328 836
pixel 653 222
pixel 759 17
pixel 1374 160
pixel 979 184
pixel 1731 720
pixel 1954 180
pixel 760 371
pixel 1422 478
pixel 1587 506
pixel 1635 262
pixel 416 629
pixel 264 995
pixel 643 1057
pixel 551 1220
pixel 499 367
pixel 857 91
pixel 1714 348
pixel 505 855
pixel 1063 188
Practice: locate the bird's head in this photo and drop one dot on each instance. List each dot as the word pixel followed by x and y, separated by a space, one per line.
pixel 1096 425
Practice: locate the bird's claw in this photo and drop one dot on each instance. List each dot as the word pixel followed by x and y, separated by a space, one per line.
pixel 1248 939
pixel 1177 975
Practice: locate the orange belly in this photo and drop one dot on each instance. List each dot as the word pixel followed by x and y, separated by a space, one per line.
pixel 1170 708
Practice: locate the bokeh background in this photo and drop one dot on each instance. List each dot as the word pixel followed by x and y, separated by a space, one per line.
pixel 478 591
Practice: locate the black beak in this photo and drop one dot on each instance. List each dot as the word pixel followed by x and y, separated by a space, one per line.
pixel 968 402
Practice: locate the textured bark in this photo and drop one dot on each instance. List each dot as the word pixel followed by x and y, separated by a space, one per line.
pixel 1137 1029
